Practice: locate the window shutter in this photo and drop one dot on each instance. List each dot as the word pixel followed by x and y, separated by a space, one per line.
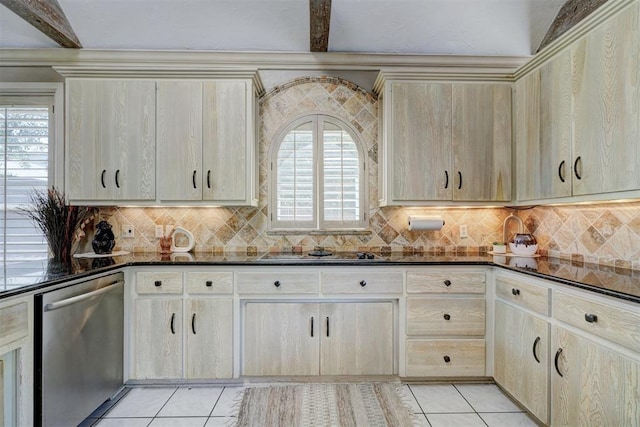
pixel 24 167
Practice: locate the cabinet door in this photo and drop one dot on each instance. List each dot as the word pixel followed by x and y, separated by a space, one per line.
pixel 607 111
pixel 209 339
pixel 226 150
pixel 82 149
pixel 521 358
pixel 179 136
pixel 356 339
pixel 481 139
pixel 158 338
pixel 598 386
pixel 126 139
pixel 420 151
pixel 281 339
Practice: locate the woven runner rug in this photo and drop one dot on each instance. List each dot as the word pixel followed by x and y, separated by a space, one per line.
pixel 315 405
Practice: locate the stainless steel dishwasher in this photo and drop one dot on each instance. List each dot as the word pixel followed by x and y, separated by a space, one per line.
pixel 78 349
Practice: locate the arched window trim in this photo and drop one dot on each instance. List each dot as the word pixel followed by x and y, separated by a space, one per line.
pixel 318 222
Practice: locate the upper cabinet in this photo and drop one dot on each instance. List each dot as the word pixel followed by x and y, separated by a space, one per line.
pixel 577 117
pixel 202 133
pixel 110 144
pixel 206 141
pixel 444 142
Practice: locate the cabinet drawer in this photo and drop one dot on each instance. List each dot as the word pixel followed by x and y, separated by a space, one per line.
pixel 268 282
pixel 450 283
pixel 159 283
pixel 612 323
pixel 445 358
pixel 364 282
pixel 209 283
pixel 525 294
pixel 446 316
pixel 14 323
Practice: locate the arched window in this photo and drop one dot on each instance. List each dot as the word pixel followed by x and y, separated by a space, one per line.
pixel 317 176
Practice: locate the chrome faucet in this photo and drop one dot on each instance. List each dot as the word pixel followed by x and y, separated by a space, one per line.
pixel 507 220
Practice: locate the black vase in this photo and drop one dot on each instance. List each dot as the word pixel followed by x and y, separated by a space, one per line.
pixel 104 240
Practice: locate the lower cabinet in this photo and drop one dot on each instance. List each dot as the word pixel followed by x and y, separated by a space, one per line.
pixel 592 384
pixel 282 338
pixel 521 357
pixel 158 338
pixel 204 332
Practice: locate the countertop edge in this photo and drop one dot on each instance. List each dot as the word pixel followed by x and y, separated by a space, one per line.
pixel 488 263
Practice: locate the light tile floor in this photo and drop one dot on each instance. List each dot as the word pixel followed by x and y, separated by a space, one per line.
pixel 435 405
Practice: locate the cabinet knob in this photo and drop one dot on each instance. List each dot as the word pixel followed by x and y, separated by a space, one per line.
pixel 447 282
pixel 158 283
pixel 277 283
pixel 591 318
pixel 363 283
pixel 447 359
pixel 515 291
pixel 447 317
pixel 208 283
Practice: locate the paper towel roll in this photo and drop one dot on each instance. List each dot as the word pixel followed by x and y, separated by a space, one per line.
pixel 417 223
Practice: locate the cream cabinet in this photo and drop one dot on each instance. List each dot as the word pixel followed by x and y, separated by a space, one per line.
pixel 544 131
pixel 158 338
pixel 183 325
pixel 110 140
pixel 577 116
pixel 592 384
pixel 206 141
pixel 521 357
pixel 606 86
pixel 444 142
pixel 342 338
pixel 445 322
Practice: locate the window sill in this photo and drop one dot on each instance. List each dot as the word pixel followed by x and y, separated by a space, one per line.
pixel 299 232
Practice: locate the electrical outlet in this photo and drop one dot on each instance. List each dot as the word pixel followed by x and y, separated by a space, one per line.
pixel 128 231
pixel 159 231
pixel 464 232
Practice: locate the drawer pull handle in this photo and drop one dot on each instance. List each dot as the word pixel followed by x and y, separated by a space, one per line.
pixel 327 326
pixel 193 179
pixel 447 282
pixel 459 182
pixel 208 283
pixel 102 178
pixel 277 283
pixel 446 180
pixel 575 167
pixel 555 361
pixel 447 359
pixel 193 323
pixel 447 317
pixel 515 291
pixel 118 178
pixel 363 283
pixel 535 344
pixel 158 283
pixel 561 172
pixel 208 179
pixel 311 326
pixel 591 318
pixel 173 320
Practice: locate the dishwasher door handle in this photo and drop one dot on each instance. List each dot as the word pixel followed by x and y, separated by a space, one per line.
pixel 69 301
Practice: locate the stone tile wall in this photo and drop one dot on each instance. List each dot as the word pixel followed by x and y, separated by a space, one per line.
pixel 605 234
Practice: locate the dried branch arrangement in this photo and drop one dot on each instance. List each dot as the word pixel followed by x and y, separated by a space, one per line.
pixel 58 220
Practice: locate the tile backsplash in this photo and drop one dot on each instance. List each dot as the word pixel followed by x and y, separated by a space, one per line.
pixel 606 234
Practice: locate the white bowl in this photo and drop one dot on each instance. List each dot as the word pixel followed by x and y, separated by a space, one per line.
pixel 521 249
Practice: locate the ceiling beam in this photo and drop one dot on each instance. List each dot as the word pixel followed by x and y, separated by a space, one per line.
pixel 572 12
pixel 48 17
pixel 320 15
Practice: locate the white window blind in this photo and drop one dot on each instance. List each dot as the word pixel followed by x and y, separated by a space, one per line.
pixel 318 176
pixel 24 167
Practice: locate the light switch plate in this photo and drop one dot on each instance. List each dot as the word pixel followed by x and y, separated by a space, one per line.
pixel 464 232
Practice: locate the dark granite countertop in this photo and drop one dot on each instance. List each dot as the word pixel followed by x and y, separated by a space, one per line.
pixel 35 275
